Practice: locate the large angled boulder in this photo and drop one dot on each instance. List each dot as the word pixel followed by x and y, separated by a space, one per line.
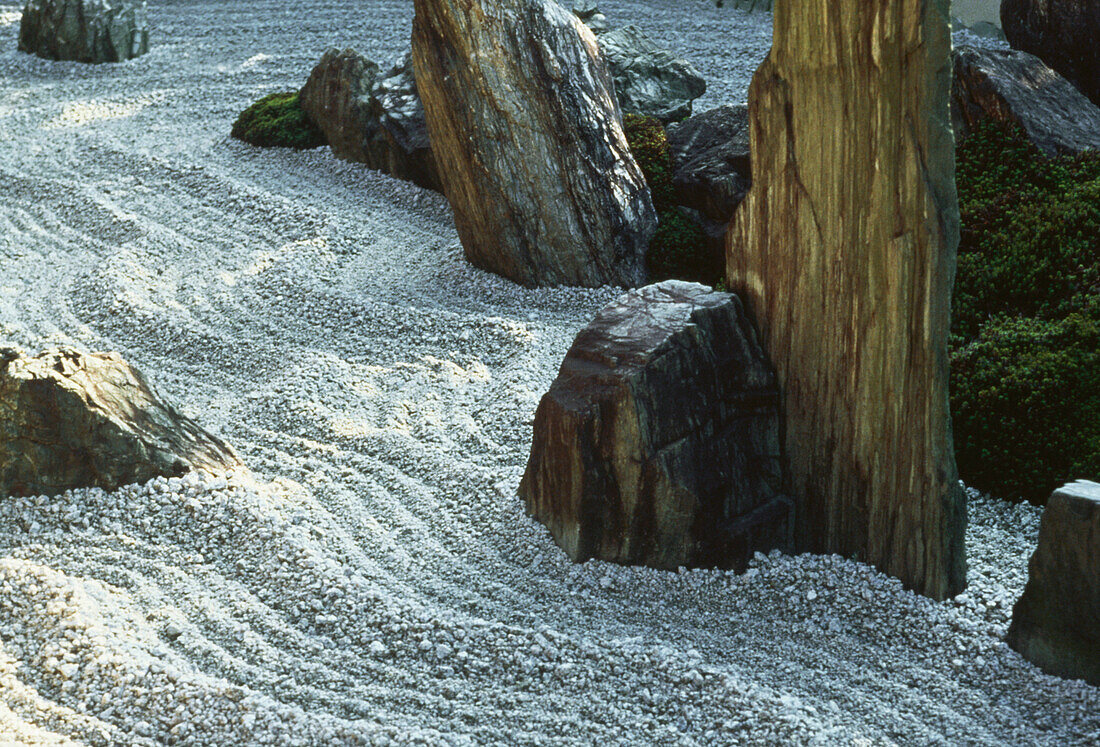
pixel 529 143
pixel 337 98
pixel 1062 33
pixel 711 162
pixel 1056 622
pixel 658 443
pixel 85 30
pixel 74 420
pixel 1017 88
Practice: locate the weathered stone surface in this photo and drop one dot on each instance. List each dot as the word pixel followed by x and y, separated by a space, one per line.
pixel 1062 33
pixel 85 30
pixel 712 167
pixel 73 420
pixel 399 142
pixel 337 97
pixel 1017 88
pixel 529 143
pixel 650 80
pixel 658 443
pixel 844 251
pixel 1056 623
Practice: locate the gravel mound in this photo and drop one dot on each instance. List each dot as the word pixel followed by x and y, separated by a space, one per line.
pixel 378 582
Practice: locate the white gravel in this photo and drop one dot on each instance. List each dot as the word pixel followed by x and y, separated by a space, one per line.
pixel 379 582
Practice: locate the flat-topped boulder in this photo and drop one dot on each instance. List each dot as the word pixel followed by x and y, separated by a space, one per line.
pixel 529 143
pixel 658 443
pixel 1017 88
pixel 85 30
pixel 75 420
pixel 1056 622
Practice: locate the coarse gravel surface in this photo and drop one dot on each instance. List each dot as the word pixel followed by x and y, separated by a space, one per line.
pixel 377 582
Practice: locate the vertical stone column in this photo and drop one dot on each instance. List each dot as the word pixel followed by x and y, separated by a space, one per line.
pixel 845 252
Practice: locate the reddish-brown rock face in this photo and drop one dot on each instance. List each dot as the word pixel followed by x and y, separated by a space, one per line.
pixel 528 140
pixel 1062 33
pixel 844 251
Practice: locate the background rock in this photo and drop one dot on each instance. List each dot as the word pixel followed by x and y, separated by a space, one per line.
pixel 712 167
pixel 1017 88
pixel 1062 33
pixel 71 420
pixel 85 30
pixel 529 143
pixel 658 443
pixel 337 98
pixel 399 142
pixel 1056 623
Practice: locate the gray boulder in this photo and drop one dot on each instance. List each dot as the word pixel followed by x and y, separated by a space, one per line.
pixel 1056 622
pixel 74 420
pixel 711 162
pixel 1062 33
pixel 399 141
pixel 1017 88
pixel 658 443
pixel 337 97
pixel 85 30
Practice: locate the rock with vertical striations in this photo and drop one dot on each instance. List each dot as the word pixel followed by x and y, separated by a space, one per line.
pixel 85 30
pixel 844 253
pixel 529 143
pixel 658 443
pixel 711 164
pixel 1056 623
pixel 1016 88
pixel 1062 33
pixel 73 420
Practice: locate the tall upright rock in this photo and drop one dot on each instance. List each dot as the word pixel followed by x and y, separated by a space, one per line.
pixel 85 30
pixel 529 143
pixel 845 252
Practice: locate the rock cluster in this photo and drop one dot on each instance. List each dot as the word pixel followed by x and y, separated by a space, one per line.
pixel 73 420
pixel 529 144
pixel 658 443
pixel 1017 88
pixel 1056 623
pixel 1062 33
pixel 85 30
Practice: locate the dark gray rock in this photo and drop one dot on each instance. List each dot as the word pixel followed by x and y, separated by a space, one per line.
pixel 650 80
pixel 1062 33
pixel 85 30
pixel 529 144
pixel 1056 623
pixel 658 443
pixel 711 162
pixel 74 420
pixel 337 97
pixel 1017 88
pixel 399 141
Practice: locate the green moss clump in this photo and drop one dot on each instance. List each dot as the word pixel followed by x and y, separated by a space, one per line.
pixel 679 248
pixel 278 121
pixel 1025 365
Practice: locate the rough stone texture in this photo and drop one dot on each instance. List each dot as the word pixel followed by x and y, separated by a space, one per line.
pixel 1062 33
pixel 337 97
pixel 844 251
pixel 650 80
pixel 529 143
pixel 73 420
pixel 1017 88
pixel 1056 622
pixel 658 443
pixel 84 30
pixel 399 142
pixel 711 163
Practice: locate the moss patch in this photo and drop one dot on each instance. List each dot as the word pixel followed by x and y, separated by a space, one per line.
pixel 278 121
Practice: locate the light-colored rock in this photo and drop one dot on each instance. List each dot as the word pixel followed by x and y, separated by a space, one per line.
pixel 1056 623
pixel 844 251
pixel 85 30
pixel 75 420
pixel 529 143
pixel 1062 33
pixel 1016 88
pixel 658 443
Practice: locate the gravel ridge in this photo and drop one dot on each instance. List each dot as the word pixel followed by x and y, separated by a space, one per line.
pixel 378 583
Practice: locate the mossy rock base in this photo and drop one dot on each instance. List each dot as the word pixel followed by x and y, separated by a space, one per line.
pixel 278 121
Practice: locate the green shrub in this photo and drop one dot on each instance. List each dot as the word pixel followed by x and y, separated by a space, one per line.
pixel 278 121
pixel 679 248
pixel 1025 366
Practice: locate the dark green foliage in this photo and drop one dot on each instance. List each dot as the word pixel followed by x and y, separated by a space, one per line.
pixel 1025 343
pixel 679 249
pixel 278 121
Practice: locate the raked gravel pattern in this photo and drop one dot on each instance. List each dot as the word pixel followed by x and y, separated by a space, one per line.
pixel 377 581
